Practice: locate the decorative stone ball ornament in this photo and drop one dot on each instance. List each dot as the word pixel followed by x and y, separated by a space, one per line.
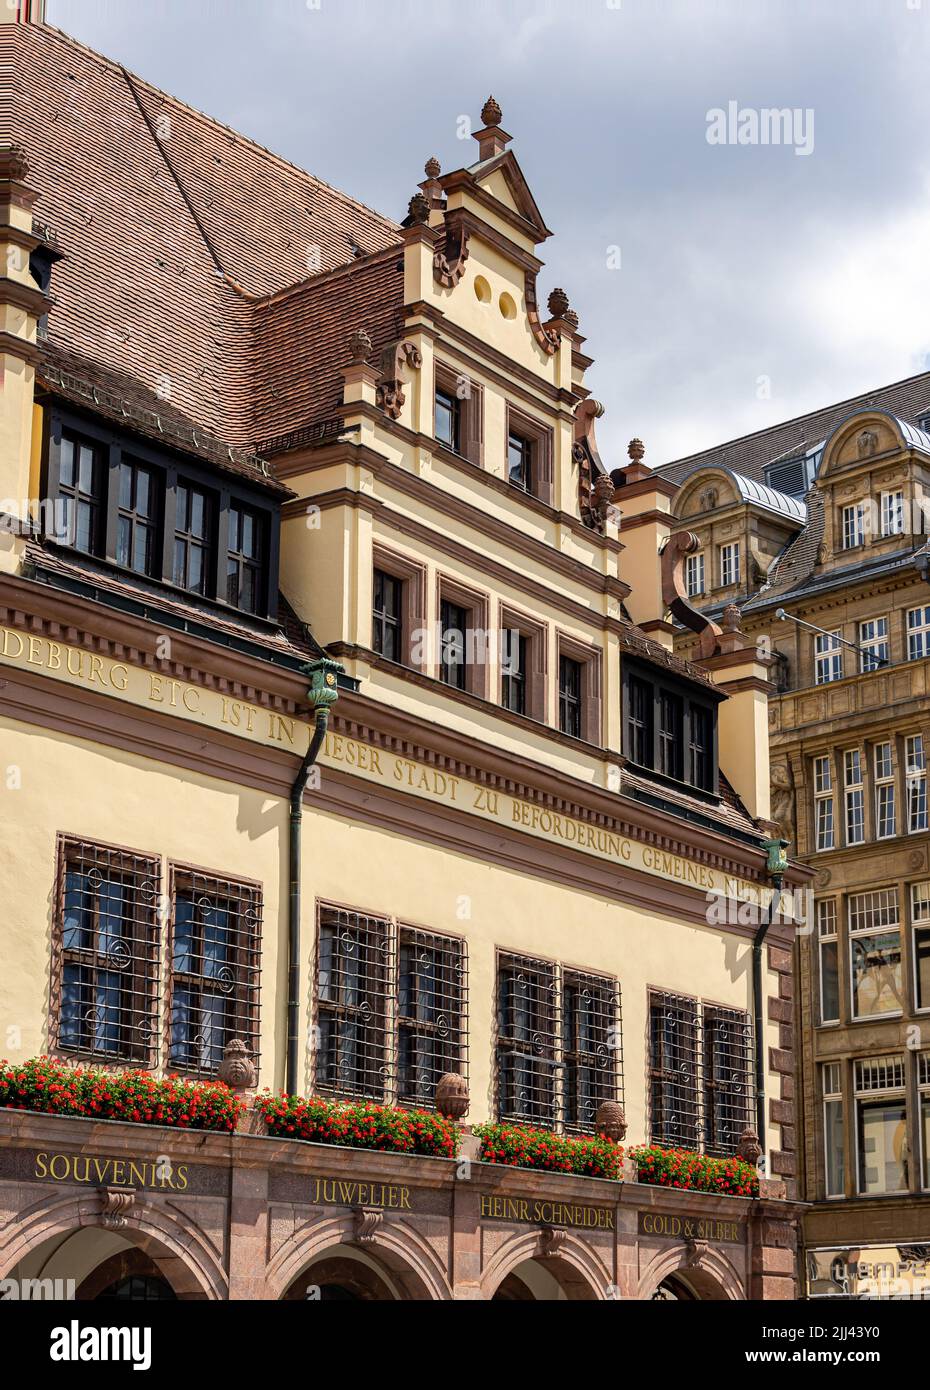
pixel 452 1098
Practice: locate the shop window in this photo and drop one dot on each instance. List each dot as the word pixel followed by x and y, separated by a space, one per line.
pixel 105 955
pixel 881 1125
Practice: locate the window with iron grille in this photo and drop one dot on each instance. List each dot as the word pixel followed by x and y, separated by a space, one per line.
pixel 432 1023
pixel 559 1049
pixel 105 960
pixel 215 959
pixel 700 1077
pixel 354 977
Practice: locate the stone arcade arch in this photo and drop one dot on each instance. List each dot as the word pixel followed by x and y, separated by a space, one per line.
pixel 181 1254
pixel 540 1265
pixel 707 1274
pixel 371 1259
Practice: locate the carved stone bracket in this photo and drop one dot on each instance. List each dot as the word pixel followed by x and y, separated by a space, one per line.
pixel 675 597
pixel 367 1221
pixel 547 340
pixel 596 491
pixel 449 259
pixel 695 1250
pixel 116 1204
pixel 390 390
pixel 551 1240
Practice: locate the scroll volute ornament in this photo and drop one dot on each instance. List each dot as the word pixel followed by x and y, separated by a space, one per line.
pixel 449 259
pixel 675 596
pixel 390 390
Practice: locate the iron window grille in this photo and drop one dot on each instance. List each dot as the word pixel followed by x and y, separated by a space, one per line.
pixel 215 959
pixel 432 1021
pixel 559 1052
pixel 106 954
pixel 387 616
pixel 570 679
pixel 354 973
pixel 700 1075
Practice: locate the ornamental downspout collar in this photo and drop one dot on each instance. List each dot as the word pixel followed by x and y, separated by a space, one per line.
pixel 324 683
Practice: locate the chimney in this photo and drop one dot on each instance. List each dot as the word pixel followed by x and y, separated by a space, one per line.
pixel 22 11
pixel 645 502
pixel 491 139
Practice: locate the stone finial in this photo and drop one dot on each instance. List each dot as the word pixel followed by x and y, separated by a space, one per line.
pixel 610 1121
pixel 418 209
pixel 359 347
pixel 491 113
pixel 571 318
pixel 558 304
pixel 452 1098
pixel 14 167
pixel 749 1148
pixel 432 168
pixel 636 450
pixel 237 1069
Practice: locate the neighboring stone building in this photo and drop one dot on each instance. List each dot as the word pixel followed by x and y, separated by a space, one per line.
pixel 825 518
pixel 263 447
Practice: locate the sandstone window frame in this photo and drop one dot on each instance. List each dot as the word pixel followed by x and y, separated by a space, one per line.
pixel 853 528
pixel 874 643
pixel 854 818
pixel 411 575
pixel 588 658
pixel 828 657
pixel 468 430
pixel 884 784
pixel 729 564
pixel 891 513
pixel 541 440
pixel 915 783
pixel 694 575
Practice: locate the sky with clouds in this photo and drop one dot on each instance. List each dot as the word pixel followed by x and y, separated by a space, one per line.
pixel 721 287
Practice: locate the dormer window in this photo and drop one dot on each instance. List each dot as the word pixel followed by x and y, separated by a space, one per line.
pixel 892 513
pixel 244 560
pixel 670 727
pixel 138 517
pixel 80 486
pixel 193 549
pixel 853 526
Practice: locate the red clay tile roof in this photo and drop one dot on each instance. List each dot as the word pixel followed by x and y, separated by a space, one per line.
pixel 173 229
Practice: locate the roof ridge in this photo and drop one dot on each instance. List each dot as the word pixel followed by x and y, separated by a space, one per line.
pixel 119 68
pixel 795 419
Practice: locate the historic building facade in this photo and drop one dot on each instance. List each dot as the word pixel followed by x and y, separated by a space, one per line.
pixel 335 739
pixel 817 531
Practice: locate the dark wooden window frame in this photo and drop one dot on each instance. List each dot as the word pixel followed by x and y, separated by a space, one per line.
pixel 244 991
pixel 170 470
pixel 470 444
pixel 476 605
pixel 690 695
pixel 589 659
pixel 537 639
pixel 541 437
pixel 412 576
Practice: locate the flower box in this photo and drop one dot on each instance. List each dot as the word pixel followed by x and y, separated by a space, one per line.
pixel 359 1125
pixel 518 1147
pixel 694 1172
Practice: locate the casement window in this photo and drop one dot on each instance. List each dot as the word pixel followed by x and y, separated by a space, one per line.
pixel 828 948
pixel 824 828
pixel 529 454
pixel 193 540
pixel 918 633
pixel 515 673
pixel 920 928
pixel 388 616
pixel 915 782
pixel 828 657
pixel 883 755
pixel 853 526
pixel 570 702
pixel 875 953
pixel 458 410
pixel 873 644
pixel 169 520
pixel 215 959
pixel 668 728
pixel 453 624
pixel 355 970
pixel 834 1138
pixel 245 560
pixel 558 1043
pixel 923 1095
pixel 700 1079
pixel 391 1008
pixel 892 513
pixel 106 954
pixel 853 796
pixel 881 1125
pixel 579 690
pixel 432 1023
pixel 523 650
pixel 694 574
pixel 729 564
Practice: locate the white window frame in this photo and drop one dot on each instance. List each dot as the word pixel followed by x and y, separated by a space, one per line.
pixel 828 657
pixel 923 1099
pixel 827 934
pixel 885 794
pixel 915 783
pixel 870 929
pixel 831 1086
pixel 874 649
pixel 854 526
pixel 892 513
pixel 918 633
pixel 920 922
pixel 729 564
pixel 877 1078
pixel 824 804
pixel 694 574
pixel 853 797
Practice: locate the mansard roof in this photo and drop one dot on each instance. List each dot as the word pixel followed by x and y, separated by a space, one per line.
pixel 756 493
